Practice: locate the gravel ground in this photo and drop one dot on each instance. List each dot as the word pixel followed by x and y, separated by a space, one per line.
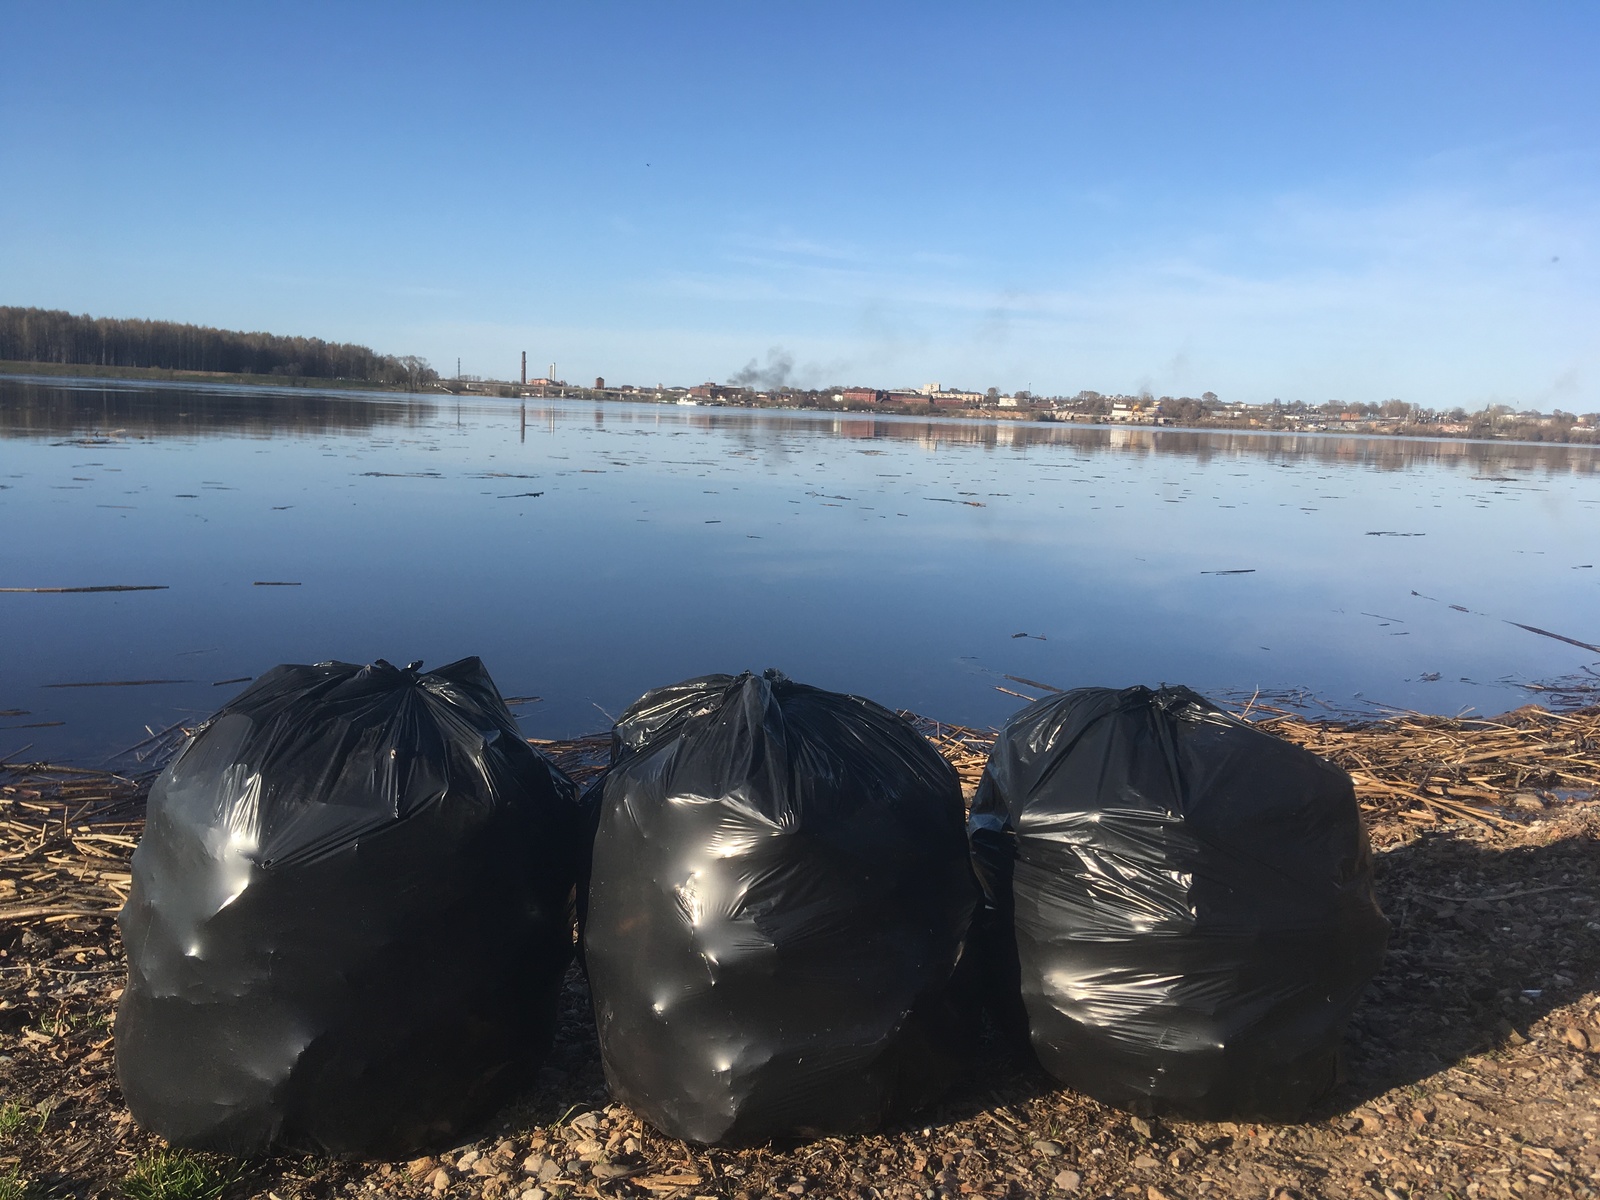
pixel 1473 1068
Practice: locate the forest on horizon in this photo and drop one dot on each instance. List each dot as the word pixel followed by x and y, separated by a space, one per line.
pixel 54 336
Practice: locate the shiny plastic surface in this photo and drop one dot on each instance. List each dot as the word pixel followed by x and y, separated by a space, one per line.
pixel 1191 898
pixel 780 895
pixel 348 921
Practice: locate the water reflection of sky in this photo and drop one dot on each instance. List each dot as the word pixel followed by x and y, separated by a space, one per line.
pixel 604 549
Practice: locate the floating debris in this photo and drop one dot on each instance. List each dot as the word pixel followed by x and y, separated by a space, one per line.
pixel 1558 637
pixel 1018 695
pixel 111 587
pixel 117 683
pixel 1034 683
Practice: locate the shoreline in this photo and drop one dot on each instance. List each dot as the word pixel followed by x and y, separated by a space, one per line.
pixel 93 373
pixel 496 391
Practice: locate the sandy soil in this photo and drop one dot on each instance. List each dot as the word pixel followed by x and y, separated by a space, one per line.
pixel 1474 1063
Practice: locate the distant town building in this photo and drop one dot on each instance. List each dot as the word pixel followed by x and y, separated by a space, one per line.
pixel 860 395
pixel 715 391
pixel 599 383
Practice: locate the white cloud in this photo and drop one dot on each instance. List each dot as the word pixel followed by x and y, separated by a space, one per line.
pixel 1476 279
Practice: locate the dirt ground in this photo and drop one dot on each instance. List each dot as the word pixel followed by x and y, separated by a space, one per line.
pixel 1474 1060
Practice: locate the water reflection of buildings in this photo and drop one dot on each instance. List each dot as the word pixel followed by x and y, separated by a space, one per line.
pixel 1382 453
pixel 57 409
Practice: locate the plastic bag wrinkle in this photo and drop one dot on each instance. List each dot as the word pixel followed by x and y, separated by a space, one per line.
pixel 1183 904
pixel 348 918
pixel 817 834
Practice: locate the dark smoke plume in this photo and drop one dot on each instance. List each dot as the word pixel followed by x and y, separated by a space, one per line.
pixel 780 363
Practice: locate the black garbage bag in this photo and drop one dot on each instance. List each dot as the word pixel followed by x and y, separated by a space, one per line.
pixel 1191 898
pixel 349 917
pixel 779 899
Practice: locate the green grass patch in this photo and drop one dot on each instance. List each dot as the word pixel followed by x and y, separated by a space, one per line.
pixel 12 1118
pixel 176 1175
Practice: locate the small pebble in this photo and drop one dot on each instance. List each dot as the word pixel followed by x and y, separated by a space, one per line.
pixel 1048 1149
pixel 1068 1181
pixel 1145 1163
pixel 533 1164
pixel 1141 1127
pixel 534 1193
pixel 464 1163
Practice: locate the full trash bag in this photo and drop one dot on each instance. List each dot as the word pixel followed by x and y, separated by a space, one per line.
pixel 780 896
pixel 1191 899
pixel 349 917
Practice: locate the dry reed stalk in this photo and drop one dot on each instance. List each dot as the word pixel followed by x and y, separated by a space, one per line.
pixel 67 833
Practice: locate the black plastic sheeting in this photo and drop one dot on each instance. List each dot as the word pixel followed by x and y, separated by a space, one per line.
pixel 1191 898
pixel 349 916
pixel 780 896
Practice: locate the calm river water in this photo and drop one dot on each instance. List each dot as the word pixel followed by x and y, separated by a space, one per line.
pixel 590 551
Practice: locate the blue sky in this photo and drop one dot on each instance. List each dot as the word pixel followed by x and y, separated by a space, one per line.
pixel 1351 201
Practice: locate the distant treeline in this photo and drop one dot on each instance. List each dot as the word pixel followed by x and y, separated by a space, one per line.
pixel 50 336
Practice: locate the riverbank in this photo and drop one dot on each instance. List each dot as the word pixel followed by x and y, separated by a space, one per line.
pixel 1473 1068
pixel 160 375
pixel 1267 421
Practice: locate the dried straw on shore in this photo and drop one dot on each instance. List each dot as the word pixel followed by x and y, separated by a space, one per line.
pixel 66 834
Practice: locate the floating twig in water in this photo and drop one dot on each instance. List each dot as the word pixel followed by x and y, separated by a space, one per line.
pixel 1557 636
pixel 117 683
pixel 1018 695
pixel 112 587
pixel 1045 687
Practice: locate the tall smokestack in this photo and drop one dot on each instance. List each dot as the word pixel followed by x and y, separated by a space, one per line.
pixel 524 367
pixel 552 372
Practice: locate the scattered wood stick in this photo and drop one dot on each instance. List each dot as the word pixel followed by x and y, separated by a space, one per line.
pixel 117 587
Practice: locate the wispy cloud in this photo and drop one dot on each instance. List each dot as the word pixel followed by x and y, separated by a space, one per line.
pixel 1444 292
